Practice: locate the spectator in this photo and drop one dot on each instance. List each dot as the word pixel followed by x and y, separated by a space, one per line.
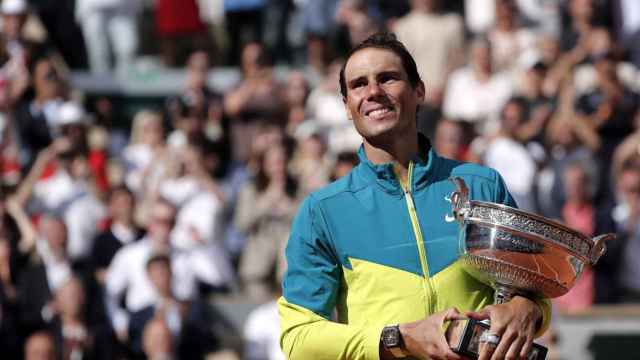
pixel 127 274
pixel 40 346
pixel 190 331
pixel 109 22
pixel 146 148
pixel 609 110
pixel 566 141
pixel 319 22
pixel 157 341
pixel 295 94
pixel 538 107
pixel 200 200
pixel 511 158
pixel 449 139
pixel 476 93
pixel 617 273
pixel 265 211
pixel 344 163
pixel 261 329
pixel 510 42
pixel 36 118
pixel 42 277
pixel 579 213
pixel 180 29
pixel 75 337
pixel 310 163
pixel 355 16
pixel 628 149
pixel 21 50
pixel 324 107
pixel 437 47
pixel 256 99
pixel 69 189
pixel 121 232
pixel 166 307
pixel 582 18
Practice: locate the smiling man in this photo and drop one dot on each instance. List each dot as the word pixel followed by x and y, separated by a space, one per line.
pixel 376 245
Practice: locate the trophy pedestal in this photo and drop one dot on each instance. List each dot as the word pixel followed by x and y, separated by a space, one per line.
pixel 464 335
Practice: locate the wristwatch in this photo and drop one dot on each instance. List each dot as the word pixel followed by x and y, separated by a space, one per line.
pixel 392 341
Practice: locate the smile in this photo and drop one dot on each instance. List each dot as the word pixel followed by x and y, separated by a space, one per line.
pixel 377 113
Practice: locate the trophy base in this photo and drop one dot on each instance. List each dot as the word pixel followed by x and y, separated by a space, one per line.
pixel 464 338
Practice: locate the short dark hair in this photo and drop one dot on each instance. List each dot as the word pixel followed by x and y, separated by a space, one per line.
pixel 158 258
pixel 385 41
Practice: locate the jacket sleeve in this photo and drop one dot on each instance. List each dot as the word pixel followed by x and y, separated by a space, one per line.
pixel 310 289
pixel 503 196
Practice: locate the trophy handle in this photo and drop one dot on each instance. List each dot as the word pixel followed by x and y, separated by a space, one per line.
pixel 460 199
pixel 599 247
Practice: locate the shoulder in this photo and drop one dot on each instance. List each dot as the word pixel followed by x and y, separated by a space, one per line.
pixel 484 183
pixel 466 169
pixel 346 184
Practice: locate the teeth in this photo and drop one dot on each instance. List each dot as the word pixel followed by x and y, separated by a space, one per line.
pixel 378 112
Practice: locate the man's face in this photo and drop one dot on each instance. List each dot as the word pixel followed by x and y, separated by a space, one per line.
pixel 161 223
pixel 46 80
pixel 380 99
pixel 12 25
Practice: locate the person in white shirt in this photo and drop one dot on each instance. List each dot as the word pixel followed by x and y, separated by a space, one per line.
pixel 199 199
pixel 475 93
pixel 127 273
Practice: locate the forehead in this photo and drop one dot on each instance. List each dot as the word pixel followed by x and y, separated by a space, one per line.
pixel 372 61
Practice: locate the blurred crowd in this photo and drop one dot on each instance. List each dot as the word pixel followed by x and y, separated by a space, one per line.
pixel 116 234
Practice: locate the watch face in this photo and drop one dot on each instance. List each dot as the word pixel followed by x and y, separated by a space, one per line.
pixel 391 337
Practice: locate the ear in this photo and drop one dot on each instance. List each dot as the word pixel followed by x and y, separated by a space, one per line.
pixel 420 91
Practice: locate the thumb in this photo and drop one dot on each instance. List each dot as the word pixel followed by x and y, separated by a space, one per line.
pixel 479 315
pixel 453 314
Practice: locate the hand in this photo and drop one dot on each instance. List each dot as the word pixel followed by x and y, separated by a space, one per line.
pixel 515 322
pixel 425 338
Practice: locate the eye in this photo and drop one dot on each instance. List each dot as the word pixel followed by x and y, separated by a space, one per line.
pixel 387 78
pixel 358 83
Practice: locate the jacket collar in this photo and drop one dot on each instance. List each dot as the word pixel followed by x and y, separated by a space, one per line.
pixel 384 175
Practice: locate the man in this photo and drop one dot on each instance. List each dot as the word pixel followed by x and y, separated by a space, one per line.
pixel 127 274
pixel 380 244
pixel 123 231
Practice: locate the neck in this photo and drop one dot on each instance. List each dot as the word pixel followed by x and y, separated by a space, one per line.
pixel 71 320
pixel 399 153
pixel 127 223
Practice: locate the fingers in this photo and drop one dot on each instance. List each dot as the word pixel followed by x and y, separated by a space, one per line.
pixel 526 348
pixel 509 347
pixel 486 351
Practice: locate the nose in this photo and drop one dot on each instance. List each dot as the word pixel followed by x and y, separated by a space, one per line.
pixel 374 90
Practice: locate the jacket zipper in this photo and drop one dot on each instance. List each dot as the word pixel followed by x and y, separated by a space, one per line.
pixel 413 215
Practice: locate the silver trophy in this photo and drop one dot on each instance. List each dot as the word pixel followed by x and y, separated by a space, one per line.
pixel 516 253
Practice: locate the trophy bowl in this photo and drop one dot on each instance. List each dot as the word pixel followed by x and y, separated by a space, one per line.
pixel 518 253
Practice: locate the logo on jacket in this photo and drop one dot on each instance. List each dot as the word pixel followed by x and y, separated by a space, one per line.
pixel 448 218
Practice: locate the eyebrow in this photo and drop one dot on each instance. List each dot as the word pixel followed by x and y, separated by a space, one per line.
pixel 395 73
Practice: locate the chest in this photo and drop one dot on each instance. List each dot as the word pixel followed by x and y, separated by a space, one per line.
pixel 379 227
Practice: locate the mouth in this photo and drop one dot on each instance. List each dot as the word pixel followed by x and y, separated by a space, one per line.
pixel 379 112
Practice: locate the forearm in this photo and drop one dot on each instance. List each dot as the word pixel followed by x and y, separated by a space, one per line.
pixel 306 335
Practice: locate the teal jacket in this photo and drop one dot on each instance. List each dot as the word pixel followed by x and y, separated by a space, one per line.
pixel 379 253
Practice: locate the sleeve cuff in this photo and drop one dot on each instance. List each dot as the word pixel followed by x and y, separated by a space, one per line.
pixel 545 307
